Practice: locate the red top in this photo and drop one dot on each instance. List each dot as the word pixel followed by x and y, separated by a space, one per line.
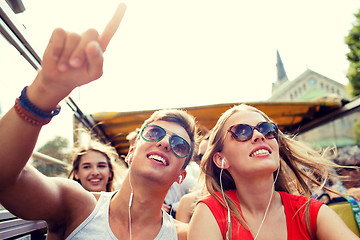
pixel 295 218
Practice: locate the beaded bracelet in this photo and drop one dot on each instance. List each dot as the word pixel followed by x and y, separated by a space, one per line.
pixel 32 109
pixel 32 114
pixel 27 116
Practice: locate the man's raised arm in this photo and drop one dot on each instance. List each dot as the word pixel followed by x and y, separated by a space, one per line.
pixel 70 60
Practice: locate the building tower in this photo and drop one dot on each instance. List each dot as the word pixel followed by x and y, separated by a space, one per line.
pixel 281 73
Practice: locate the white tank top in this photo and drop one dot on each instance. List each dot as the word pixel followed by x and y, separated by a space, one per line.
pixel 96 225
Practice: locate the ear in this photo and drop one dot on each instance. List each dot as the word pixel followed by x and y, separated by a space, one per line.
pixel 181 177
pixel 111 177
pixel 219 161
pixel 76 176
pixel 130 155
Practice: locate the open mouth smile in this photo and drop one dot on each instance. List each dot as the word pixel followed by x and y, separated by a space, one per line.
pixel 260 152
pixel 158 159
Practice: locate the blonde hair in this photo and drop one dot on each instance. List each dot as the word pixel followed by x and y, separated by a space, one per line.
pixel 295 161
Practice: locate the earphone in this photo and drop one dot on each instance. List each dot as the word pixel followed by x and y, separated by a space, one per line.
pixel 223 195
pixel 130 203
pixel 228 208
pixel 180 179
pixel 129 158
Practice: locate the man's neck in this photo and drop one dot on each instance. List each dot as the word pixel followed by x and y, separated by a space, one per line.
pixel 146 202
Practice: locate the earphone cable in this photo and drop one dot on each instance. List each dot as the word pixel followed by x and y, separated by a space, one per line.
pixel 130 203
pixel 228 208
pixel 268 206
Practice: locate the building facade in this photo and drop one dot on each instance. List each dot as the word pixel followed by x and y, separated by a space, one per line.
pixel 313 86
pixel 309 86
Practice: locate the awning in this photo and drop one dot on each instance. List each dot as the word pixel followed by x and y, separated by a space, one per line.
pixel 290 117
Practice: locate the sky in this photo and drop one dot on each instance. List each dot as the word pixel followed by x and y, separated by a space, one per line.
pixel 170 53
pixel 182 53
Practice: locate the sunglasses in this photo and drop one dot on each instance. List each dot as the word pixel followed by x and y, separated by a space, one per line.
pixel 244 132
pixel 154 133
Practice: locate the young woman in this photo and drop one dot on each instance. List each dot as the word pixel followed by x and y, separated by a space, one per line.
pixel 93 167
pixel 262 174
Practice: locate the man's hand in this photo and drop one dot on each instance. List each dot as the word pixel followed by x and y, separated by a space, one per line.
pixel 71 60
pixel 166 208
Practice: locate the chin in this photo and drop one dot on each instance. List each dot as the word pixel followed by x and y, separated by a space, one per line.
pixel 97 189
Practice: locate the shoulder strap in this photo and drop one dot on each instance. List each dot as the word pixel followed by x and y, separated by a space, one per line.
pixel 355 208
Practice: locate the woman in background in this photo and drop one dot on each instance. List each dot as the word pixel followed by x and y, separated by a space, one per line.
pixel 93 167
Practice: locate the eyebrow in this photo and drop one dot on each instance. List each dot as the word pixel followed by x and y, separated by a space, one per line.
pixel 87 163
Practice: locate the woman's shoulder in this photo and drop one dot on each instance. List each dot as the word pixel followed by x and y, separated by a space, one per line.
pixel 207 199
pixel 189 198
pixel 181 229
pixel 298 201
pixel 211 199
pixel 292 197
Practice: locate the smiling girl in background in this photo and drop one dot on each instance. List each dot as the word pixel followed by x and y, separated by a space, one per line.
pixel 93 167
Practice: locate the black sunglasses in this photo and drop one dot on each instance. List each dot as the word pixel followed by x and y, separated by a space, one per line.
pixel 244 132
pixel 154 133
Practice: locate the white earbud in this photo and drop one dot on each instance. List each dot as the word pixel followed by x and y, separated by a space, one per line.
pixel 223 195
pixel 180 179
pixel 128 159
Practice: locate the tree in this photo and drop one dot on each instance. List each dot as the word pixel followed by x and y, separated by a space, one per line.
pixel 357 132
pixel 56 148
pixel 353 42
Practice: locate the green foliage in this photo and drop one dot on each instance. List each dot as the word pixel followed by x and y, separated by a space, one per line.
pixel 353 42
pixel 357 132
pixel 58 149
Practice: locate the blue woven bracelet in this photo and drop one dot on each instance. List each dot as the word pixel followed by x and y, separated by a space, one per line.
pixel 31 108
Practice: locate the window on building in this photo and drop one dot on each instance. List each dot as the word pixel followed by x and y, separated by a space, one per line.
pixel 312 81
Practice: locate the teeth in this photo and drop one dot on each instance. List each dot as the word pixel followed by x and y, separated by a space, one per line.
pixel 158 158
pixel 259 152
pixel 95 180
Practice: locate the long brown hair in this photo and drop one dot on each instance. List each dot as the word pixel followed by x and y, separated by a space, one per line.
pixel 105 149
pixel 295 161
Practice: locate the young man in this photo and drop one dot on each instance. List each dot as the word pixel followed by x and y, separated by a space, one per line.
pixel 158 158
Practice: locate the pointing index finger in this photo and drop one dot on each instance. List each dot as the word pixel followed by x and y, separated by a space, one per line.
pixel 112 26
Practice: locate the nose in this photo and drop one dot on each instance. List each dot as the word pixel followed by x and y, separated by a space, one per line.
pixel 94 171
pixel 257 136
pixel 164 143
